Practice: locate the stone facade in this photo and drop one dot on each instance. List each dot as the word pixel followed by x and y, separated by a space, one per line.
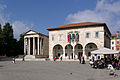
pixel 115 41
pixel 92 36
pixel 35 45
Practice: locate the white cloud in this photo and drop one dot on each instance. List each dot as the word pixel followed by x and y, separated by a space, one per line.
pixel 19 27
pixel 3 17
pixel 109 6
pixel 107 11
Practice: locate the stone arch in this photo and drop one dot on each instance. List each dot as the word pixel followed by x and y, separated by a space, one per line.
pixel 78 50
pixel 57 51
pixel 69 51
pixel 90 47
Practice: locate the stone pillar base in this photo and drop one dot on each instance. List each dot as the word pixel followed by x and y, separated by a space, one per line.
pixel 29 57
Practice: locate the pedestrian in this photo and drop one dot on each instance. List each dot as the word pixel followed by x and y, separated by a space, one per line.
pixel 13 60
pixel 83 60
pixel 93 59
pixel 54 58
pixel 24 58
pixel 61 58
pixel 111 69
pixel 79 59
pixel 119 65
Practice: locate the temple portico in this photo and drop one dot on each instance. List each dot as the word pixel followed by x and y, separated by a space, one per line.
pixel 35 44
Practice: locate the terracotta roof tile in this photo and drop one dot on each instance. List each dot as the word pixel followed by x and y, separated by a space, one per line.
pixel 114 35
pixel 76 24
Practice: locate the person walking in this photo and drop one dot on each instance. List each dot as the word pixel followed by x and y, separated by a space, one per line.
pixel 61 58
pixel 83 60
pixel 54 58
pixel 93 59
pixel 13 60
pixel 79 59
pixel 23 58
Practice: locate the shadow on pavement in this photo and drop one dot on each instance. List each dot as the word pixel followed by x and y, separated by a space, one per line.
pixel 6 59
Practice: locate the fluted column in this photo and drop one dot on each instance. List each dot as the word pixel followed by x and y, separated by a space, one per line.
pixel 33 45
pixel 24 46
pixel 38 46
pixel 29 46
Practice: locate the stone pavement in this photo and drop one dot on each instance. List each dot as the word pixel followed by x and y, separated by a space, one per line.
pixel 48 70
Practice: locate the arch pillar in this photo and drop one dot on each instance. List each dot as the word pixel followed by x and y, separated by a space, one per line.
pixel 84 55
pixel 73 52
pixel 63 52
pixel 51 53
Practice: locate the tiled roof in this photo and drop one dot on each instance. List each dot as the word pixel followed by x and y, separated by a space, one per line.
pixel 76 25
pixel 114 35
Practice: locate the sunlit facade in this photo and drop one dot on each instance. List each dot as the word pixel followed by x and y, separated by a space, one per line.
pixel 78 39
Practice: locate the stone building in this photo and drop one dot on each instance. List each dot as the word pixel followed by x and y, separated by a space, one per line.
pixel 35 45
pixel 115 42
pixel 78 39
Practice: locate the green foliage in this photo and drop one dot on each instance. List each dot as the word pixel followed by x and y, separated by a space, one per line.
pixel 1 40
pixel 8 45
pixel 20 44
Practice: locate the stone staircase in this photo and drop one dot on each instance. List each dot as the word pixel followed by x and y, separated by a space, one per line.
pixel 29 57
pixel 33 58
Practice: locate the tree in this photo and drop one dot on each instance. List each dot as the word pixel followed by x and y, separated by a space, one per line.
pixel 20 44
pixel 1 41
pixel 9 46
pixel 8 40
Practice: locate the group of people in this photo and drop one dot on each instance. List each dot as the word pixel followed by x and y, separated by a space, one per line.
pixel 104 62
pixel 81 59
pixel 116 63
pixel 97 63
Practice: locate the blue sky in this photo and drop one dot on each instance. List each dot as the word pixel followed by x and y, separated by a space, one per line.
pixel 42 14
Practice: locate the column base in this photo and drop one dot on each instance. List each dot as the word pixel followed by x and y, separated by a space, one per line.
pixel 29 57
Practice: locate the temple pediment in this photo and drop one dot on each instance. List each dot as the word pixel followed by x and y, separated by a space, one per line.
pixel 30 32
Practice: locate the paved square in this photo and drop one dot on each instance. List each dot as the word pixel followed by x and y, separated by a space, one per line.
pixel 41 70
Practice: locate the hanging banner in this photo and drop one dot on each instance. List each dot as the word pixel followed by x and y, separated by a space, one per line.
pixel 73 37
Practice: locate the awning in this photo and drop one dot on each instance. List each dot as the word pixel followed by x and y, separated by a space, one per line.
pixel 104 51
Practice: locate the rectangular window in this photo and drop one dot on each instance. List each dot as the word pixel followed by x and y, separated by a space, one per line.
pixel 52 37
pixel 96 34
pixel 60 37
pixel 87 35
